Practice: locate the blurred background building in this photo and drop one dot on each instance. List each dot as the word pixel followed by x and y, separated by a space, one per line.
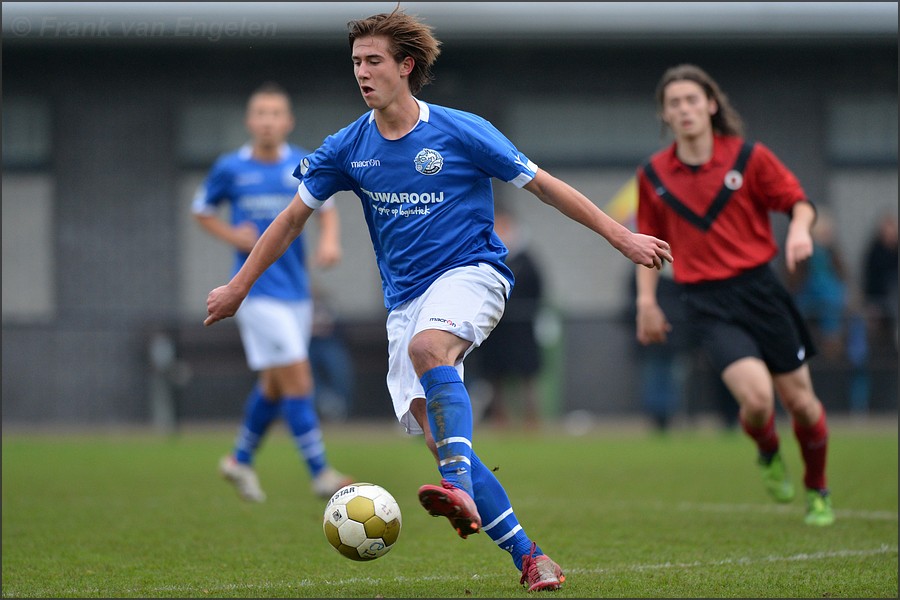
pixel 113 112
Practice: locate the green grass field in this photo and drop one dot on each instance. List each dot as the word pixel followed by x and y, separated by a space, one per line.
pixel 626 514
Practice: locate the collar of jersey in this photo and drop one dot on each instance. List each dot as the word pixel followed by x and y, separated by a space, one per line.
pixel 424 113
pixel 246 151
pixel 713 162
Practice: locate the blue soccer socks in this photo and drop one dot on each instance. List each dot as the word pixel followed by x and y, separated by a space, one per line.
pixel 259 413
pixel 450 418
pixel 497 516
pixel 300 415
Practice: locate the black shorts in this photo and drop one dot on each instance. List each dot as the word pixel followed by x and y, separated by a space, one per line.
pixel 750 315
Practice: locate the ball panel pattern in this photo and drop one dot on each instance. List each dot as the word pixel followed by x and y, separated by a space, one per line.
pixel 362 521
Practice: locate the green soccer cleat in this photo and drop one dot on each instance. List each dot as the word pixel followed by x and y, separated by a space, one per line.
pixel 818 508
pixel 776 479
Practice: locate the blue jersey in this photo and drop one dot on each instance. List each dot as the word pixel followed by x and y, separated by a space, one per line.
pixel 427 197
pixel 257 192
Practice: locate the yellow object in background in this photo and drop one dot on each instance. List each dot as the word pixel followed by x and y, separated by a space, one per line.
pixel 623 206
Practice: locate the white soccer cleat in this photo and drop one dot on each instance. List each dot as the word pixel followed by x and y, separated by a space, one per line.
pixel 326 483
pixel 244 479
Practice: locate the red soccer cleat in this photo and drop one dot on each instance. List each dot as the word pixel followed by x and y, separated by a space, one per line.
pixel 449 501
pixel 540 573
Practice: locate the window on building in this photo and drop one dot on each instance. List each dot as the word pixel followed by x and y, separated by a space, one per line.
pixel 29 264
pixel 585 132
pixel 862 130
pixel 26 132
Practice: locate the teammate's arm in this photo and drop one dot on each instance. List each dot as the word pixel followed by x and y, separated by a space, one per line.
pixel 328 250
pixel 224 301
pixel 242 236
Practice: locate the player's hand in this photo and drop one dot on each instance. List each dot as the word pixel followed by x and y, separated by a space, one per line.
pixel 797 247
pixel 652 325
pixel 221 303
pixel 648 251
pixel 245 236
pixel 328 254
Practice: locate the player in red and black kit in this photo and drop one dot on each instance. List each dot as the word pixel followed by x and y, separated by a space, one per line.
pixel 710 194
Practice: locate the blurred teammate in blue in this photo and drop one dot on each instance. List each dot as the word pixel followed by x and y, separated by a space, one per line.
pixel 423 174
pixel 256 182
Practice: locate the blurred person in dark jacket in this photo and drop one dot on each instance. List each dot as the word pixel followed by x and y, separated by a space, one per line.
pixel 511 356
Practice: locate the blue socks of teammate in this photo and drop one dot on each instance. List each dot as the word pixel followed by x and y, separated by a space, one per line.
pixel 301 417
pixel 497 516
pixel 258 415
pixel 303 421
pixel 450 418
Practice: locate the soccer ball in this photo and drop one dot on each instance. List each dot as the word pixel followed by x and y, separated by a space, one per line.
pixel 362 521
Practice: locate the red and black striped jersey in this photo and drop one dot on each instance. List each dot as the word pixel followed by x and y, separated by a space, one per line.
pixel 716 216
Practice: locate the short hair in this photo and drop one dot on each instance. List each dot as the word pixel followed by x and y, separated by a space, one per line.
pixel 407 36
pixel 270 88
pixel 726 121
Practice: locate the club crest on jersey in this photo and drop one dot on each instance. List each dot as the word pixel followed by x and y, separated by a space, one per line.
pixel 428 161
pixel 734 180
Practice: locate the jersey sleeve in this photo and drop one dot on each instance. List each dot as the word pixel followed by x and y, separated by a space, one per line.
pixel 320 175
pixel 493 151
pixel 214 189
pixel 772 181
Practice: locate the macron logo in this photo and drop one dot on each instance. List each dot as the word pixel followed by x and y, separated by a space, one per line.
pixel 362 164
pixel 444 321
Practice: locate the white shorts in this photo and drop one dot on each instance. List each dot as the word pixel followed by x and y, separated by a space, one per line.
pixel 466 301
pixel 275 332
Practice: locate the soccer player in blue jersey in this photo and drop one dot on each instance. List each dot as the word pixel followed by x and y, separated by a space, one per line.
pixel 423 175
pixel 275 321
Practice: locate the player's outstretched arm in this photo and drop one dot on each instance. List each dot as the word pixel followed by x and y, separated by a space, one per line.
pixel 641 249
pixel 224 301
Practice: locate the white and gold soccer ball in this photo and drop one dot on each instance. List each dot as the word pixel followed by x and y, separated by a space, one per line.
pixel 362 521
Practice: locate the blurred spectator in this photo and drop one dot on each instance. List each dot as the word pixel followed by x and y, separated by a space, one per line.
pixel 672 373
pixel 663 368
pixel 511 356
pixel 880 276
pixel 819 286
pixel 822 289
pixel 332 365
